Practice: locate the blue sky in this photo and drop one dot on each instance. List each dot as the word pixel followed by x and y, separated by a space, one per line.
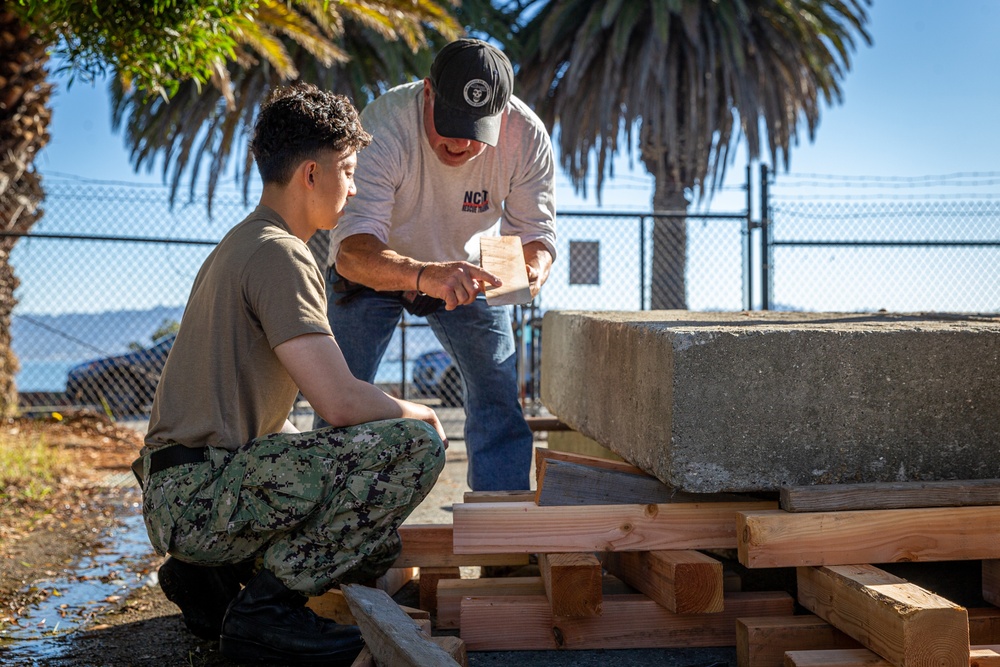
pixel 922 100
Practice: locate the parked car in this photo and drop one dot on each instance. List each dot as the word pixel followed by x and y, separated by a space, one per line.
pixel 122 384
pixel 436 375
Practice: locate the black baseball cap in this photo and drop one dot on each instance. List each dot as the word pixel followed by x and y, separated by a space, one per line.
pixel 472 83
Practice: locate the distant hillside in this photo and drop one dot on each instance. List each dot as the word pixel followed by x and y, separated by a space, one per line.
pixel 78 336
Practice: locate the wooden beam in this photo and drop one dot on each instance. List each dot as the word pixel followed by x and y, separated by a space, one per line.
pixel 333 605
pixel 499 497
pixel 900 621
pixel 430 578
pixel 979 656
pixel 782 539
pixel 573 483
pixel 991 581
pixel 761 641
pixel 545 454
pixel 452 591
pixel 628 621
pixel 527 528
pixel 889 495
pixel 430 545
pixel 685 582
pixel 393 638
pixel 546 424
pixel 859 657
pixel 985 656
pixel 564 483
pixel 984 625
pixel 453 646
pixel 572 583
pixel 395 578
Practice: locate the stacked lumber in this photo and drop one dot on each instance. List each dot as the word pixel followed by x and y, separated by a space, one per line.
pixel 604 556
pixel 621 563
pixel 835 536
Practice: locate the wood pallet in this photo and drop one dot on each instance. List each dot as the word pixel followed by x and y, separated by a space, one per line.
pixel 625 562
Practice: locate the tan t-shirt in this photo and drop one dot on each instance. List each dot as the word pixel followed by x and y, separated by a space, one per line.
pixel 222 384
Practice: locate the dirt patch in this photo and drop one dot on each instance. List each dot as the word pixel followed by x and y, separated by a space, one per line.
pixel 43 538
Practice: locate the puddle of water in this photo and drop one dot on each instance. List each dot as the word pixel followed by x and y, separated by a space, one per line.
pixel 99 582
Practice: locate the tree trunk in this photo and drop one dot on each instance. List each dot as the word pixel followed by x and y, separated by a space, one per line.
pixel 24 122
pixel 668 289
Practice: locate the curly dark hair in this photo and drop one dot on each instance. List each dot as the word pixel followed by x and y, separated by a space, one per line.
pixel 296 122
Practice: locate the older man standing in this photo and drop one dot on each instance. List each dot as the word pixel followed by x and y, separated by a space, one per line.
pixel 454 157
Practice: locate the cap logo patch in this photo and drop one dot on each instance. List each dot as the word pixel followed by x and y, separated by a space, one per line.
pixel 477 93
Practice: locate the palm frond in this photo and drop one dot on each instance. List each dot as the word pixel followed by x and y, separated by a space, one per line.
pixel 693 77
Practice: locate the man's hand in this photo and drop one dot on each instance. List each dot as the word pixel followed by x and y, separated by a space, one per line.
pixel 538 262
pixel 456 283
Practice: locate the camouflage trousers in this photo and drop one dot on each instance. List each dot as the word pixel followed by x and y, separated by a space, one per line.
pixel 315 508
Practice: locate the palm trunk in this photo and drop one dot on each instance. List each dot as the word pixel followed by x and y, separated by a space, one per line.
pixel 24 121
pixel 668 290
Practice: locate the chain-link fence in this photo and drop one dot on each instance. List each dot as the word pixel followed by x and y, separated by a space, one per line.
pixel 105 275
pixel 913 256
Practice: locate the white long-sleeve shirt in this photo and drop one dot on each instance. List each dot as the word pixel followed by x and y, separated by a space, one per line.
pixel 429 211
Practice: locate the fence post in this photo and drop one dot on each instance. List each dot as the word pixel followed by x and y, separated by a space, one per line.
pixel 642 262
pixel 765 250
pixel 402 358
pixel 748 247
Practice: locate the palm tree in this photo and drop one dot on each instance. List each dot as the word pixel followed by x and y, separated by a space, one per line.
pixel 163 48
pixel 685 74
pixel 198 130
pixel 24 120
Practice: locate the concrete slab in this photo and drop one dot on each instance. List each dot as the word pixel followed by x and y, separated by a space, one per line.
pixel 750 401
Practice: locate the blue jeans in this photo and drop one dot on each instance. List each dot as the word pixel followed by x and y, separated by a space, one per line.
pixel 480 340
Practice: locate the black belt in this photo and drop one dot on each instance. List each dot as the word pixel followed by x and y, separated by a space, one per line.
pixel 168 457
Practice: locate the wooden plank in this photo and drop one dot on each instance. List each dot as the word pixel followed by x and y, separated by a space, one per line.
pixel 395 578
pixel 570 483
pixel 392 636
pixel 430 545
pixel 572 583
pixel 860 657
pixel 761 641
pixel 890 495
pixel 333 605
pixel 979 656
pixel 564 483
pixel 527 528
pixel 364 659
pixel 545 454
pixel 985 656
pixel 628 621
pixel 776 538
pixel 430 578
pixel 546 424
pixel 984 625
pixel 503 256
pixel 900 621
pixel 991 581
pixel 451 592
pixel 453 646
pixel 685 582
pixel 499 497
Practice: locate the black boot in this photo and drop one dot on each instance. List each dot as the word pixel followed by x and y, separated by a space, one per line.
pixel 269 622
pixel 202 592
